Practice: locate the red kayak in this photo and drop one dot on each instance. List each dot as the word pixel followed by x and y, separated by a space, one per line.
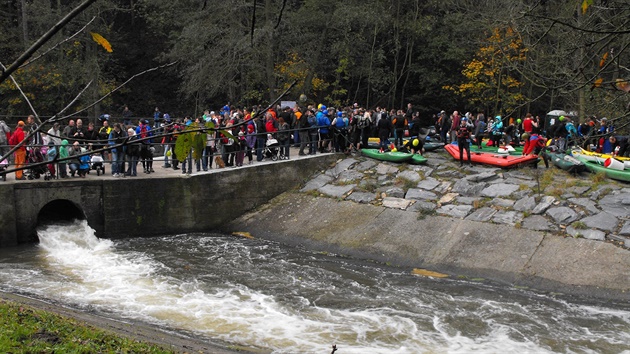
pixel 494 159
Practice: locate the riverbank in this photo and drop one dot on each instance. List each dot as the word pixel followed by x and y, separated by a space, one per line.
pixel 542 229
pixel 169 342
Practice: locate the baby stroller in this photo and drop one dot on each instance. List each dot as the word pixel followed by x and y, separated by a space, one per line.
pixel 3 166
pixel 272 148
pixel 35 156
pixel 97 164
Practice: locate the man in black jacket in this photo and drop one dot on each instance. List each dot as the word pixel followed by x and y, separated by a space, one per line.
pixel 622 142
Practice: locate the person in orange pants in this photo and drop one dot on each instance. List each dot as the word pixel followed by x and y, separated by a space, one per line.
pixel 20 154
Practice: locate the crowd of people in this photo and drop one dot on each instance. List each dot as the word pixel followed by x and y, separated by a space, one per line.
pixel 258 133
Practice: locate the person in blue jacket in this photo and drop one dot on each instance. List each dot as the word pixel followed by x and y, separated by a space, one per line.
pixel 323 122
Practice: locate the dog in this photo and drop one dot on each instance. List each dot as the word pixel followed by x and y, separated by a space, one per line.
pixel 218 161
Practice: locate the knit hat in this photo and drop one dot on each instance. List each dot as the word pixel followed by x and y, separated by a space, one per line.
pixel 20 123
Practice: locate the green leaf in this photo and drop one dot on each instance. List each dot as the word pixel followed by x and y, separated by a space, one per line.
pixel 183 145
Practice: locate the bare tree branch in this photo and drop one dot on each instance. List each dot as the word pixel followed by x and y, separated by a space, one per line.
pixel 43 39
pixel 23 94
pixel 60 43
pixel 116 89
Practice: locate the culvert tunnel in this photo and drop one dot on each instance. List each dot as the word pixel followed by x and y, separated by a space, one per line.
pixel 58 212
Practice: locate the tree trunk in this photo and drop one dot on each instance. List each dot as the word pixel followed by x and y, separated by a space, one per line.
pixel 24 23
pixel 369 87
pixel 269 60
pixel 410 45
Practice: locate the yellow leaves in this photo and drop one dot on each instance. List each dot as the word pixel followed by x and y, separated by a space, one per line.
pixel 597 83
pixel 603 60
pixel 491 72
pixel 319 84
pixel 102 41
pixel 622 85
pixel 585 5
pixel 428 273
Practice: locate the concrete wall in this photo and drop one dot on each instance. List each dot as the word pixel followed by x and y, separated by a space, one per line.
pixel 458 247
pixel 132 207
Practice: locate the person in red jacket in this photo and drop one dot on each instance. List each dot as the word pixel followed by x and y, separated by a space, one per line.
pixel 533 144
pixel 20 154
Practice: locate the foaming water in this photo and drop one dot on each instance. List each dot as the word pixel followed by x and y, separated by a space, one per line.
pixel 264 295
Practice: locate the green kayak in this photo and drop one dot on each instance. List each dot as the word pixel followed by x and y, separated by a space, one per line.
pixel 387 156
pixel 595 167
pixel 564 161
pixel 418 159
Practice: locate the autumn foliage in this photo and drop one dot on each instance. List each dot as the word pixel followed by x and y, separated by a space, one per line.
pixel 490 79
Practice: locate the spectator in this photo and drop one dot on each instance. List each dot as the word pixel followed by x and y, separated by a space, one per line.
pixel 75 160
pixel 20 154
pixel 463 141
pixel 116 139
pixel 5 135
pixel 621 142
pixel 63 155
pixel 132 152
pixel 284 137
pixel 455 124
pixel 68 131
pixel 127 115
pixel 55 134
pixel 103 137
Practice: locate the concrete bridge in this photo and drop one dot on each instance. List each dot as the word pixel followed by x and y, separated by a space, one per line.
pixel 163 202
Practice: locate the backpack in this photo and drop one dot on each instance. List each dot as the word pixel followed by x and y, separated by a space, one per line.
pixel 143 131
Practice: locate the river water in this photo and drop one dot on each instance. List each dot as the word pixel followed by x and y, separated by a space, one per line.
pixel 267 296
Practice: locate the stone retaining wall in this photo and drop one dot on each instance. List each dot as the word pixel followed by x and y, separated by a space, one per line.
pixel 470 222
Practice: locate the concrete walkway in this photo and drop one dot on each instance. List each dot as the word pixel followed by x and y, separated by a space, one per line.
pixel 160 171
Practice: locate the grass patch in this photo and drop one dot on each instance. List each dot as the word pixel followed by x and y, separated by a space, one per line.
pixel 598 177
pixel 518 225
pixel 404 183
pixel 312 193
pixel 579 225
pixel 26 330
pixel 423 213
pixel 549 176
pixel 369 186
pixel 556 192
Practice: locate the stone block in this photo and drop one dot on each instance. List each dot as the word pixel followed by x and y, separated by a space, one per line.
pixel 361 197
pixel 455 211
pixel 499 190
pixel 412 176
pixel 336 191
pixel 544 204
pixel 537 223
pixel 396 203
pixel 590 234
pixel 420 194
pixel 525 204
pixel 428 183
pixel 316 183
pixel 602 221
pixel 562 215
pixel 482 214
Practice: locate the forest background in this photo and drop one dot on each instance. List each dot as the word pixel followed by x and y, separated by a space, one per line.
pixel 506 57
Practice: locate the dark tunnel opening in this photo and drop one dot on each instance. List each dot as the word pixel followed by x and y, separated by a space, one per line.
pixel 59 212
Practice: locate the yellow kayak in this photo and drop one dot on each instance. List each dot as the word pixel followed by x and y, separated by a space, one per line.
pixel 596 156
